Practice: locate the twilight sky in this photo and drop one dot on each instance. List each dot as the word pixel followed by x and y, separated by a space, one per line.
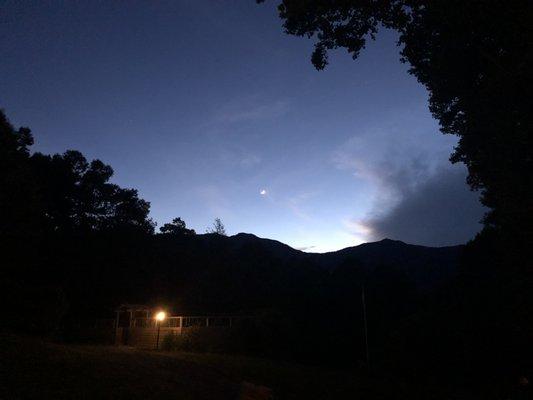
pixel 210 110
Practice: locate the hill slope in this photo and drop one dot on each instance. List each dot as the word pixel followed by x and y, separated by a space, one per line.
pixel 425 266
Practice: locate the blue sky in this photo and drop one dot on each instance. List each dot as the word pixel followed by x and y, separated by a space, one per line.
pixel 202 105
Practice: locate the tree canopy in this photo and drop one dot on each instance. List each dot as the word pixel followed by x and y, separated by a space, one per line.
pixel 176 227
pixel 61 193
pixel 474 59
pixel 18 195
pixel 217 228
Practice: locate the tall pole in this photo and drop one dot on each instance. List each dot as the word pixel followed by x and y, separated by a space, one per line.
pixel 366 326
pixel 116 330
pixel 158 328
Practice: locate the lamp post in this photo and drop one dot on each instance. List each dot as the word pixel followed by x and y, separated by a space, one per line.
pixel 159 317
pixel 365 326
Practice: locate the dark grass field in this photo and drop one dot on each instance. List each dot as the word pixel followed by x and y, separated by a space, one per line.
pixel 35 369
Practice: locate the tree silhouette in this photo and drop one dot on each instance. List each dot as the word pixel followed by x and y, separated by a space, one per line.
pixel 78 197
pixel 176 227
pixel 218 228
pixel 61 193
pixel 19 198
pixel 474 58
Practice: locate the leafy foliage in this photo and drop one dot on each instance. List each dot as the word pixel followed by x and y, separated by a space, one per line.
pixel 217 228
pixel 61 193
pixel 19 197
pixel 474 58
pixel 176 227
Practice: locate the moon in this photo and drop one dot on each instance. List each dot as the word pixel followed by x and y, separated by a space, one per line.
pixel 263 192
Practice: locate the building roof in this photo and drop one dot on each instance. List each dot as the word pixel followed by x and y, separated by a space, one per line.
pixel 133 307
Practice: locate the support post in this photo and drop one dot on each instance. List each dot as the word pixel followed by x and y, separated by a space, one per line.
pixel 365 326
pixel 157 341
pixel 116 328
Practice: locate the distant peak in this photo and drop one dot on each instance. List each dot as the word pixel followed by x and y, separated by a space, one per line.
pixel 390 241
pixel 245 235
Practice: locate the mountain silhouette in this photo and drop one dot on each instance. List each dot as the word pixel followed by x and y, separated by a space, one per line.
pixel 424 266
pixel 221 274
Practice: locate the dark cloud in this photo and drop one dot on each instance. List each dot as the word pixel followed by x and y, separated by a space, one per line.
pixel 439 211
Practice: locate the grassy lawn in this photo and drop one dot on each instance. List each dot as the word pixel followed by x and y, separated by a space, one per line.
pixel 34 369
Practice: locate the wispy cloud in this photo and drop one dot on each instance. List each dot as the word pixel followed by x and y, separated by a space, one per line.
pixel 214 200
pixel 389 159
pixel 297 202
pixel 249 160
pixel 411 179
pixel 359 230
pixel 251 109
pixel 239 156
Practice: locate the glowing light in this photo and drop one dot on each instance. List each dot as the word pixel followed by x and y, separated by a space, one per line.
pixel 160 316
pixel 263 192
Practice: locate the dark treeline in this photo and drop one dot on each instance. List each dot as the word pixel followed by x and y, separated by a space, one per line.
pixel 63 193
pixel 74 246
